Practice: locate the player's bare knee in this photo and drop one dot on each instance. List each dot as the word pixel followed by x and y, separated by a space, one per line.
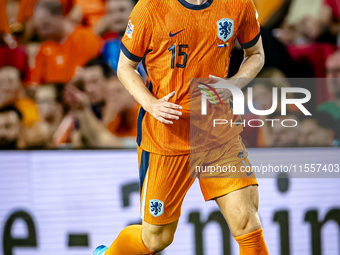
pixel 157 238
pixel 157 243
pixel 247 221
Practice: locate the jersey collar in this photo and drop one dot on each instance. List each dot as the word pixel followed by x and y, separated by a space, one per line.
pixel 194 6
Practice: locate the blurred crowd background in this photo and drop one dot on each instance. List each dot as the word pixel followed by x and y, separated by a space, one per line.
pixel 59 89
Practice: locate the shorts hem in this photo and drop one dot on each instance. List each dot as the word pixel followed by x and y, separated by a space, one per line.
pixel 162 223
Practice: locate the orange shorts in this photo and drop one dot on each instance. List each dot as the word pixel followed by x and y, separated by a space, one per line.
pixel 165 180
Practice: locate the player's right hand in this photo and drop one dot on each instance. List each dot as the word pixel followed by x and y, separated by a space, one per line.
pixel 164 111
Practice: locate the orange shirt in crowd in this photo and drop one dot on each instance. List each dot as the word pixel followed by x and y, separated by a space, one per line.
pixel 4 26
pixel 57 63
pixel 27 7
pixel 25 10
pixel 125 124
pixel 92 10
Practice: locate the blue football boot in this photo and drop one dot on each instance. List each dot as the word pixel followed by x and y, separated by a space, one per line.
pixel 100 250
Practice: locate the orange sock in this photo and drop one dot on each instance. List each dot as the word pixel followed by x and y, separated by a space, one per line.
pixel 129 242
pixel 252 243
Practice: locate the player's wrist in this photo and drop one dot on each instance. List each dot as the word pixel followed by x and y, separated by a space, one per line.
pixel 149 103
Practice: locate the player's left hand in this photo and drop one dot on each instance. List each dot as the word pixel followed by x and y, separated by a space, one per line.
pixel 224 94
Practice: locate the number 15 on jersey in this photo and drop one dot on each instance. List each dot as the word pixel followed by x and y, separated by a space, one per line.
pixel 179 52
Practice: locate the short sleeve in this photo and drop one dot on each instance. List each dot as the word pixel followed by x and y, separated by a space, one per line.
pixel 249 30
pixel 137 37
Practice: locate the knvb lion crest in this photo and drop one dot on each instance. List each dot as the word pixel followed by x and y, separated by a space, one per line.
pixel 156 207
pixel 225 29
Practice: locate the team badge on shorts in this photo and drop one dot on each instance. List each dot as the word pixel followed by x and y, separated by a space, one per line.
pixel 225 29
pixel 156 207
pixel 129 29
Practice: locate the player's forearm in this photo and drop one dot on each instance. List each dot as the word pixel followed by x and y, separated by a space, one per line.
pixel 132 81
pixel 249 69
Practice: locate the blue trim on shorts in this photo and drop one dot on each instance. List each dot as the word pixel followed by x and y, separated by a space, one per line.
pixel 140 119
pixel 144 165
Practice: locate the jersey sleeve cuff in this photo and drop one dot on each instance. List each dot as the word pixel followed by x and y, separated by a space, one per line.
pixel 251 43
pixel 129 55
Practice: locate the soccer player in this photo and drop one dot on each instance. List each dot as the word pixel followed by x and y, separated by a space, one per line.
pixel 179 40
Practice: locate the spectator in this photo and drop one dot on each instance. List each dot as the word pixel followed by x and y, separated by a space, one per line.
pixel 92 132
pixel 49 101
pixel 262 86
pixel 334 8
pixel 9 84
pixel 64 49
pixel 16 22
pixel 102 103
pixel 263 94
pixel 272 12
pixel 318 130
pixel 310 36
pixel 87 12
pixel 115 20
pixel 333 83
pixel 123 119
pixel 12 93
pixel 325 25
pixel 96 76
pixel 17 58
pixel 109 99
pixel 5 30
pixel 309 21
pixel 116 17
pixel 282 136
pixel 276 55
pixel 10 127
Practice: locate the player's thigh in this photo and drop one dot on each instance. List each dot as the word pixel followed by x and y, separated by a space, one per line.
pixel 164 182
pixel 240 209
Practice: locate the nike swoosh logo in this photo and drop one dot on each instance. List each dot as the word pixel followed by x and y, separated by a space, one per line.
pixel 172 35
pixel 249 173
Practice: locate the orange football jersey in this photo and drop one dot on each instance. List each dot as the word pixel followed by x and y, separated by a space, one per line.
pixel 178 41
